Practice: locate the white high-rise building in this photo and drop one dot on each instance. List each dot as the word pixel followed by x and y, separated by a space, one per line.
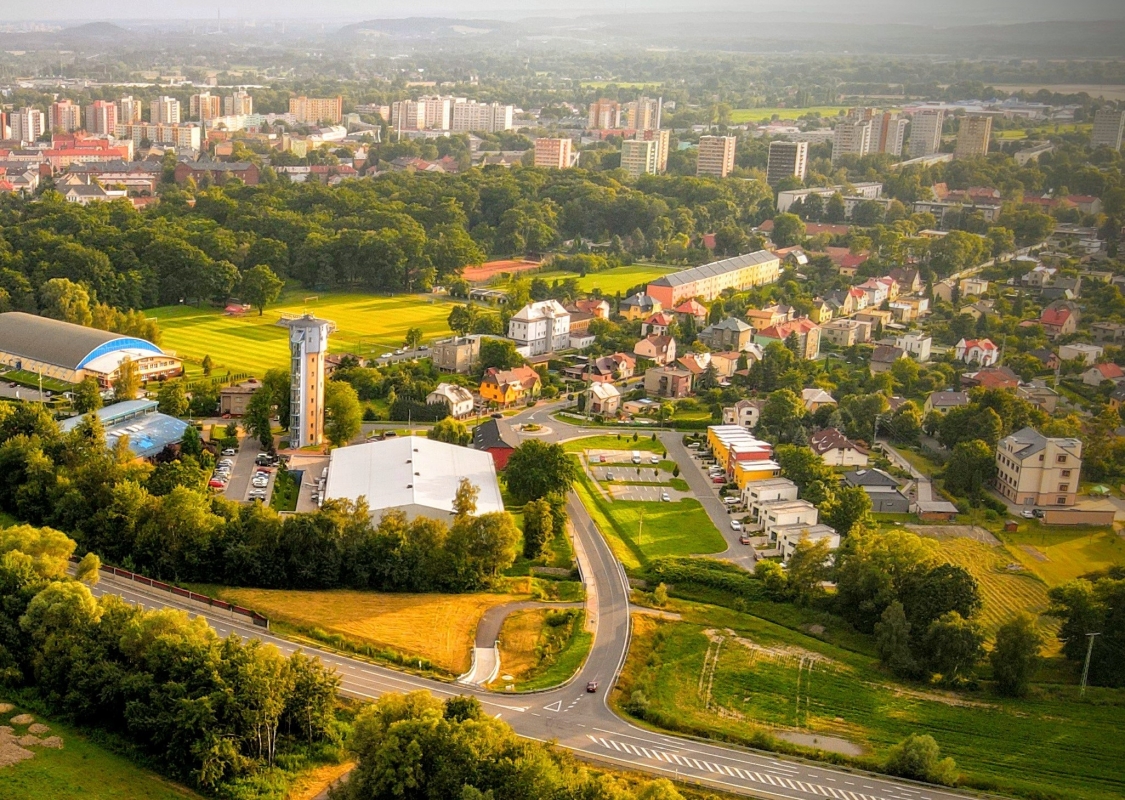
pixel 1109 127
pixel 430 113
pixel 469 115
pixel 854 134
pixel 308 345
pixel 892 133
pixel 128 110
pixel 925 132
pixel 164 110
pixel 27 124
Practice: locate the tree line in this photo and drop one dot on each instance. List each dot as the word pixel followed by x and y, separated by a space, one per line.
pixel 163 521
pixel 213 712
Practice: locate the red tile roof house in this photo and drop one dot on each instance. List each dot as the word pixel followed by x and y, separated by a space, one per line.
pixel 1102 372
pixel 658 323
pixel 1058 321
pixel 660 349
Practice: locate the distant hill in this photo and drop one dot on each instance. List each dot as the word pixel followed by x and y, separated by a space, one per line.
pixel 428 28
pixel 93 30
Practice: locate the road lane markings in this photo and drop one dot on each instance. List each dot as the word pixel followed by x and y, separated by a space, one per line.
pixel 785 782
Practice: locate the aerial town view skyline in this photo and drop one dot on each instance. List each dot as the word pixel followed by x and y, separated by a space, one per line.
pixel 644 401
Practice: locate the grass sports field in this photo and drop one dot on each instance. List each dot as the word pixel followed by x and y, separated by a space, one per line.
pixel 436 627
pixel 1058 556
pixel 81 770
pixel 611 281
pixel 740 115
pixel 365 324
pixel 722 673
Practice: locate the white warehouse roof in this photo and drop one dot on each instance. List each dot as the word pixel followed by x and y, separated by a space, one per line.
pixel 413 474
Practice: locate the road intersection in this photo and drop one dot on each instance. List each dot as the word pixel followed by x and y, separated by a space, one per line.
pixel 579 721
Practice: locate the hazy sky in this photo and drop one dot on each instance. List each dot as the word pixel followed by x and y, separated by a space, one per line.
pixel 947 12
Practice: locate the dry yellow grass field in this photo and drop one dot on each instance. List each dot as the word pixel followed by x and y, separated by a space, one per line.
pixel 437 627
pixel 519 640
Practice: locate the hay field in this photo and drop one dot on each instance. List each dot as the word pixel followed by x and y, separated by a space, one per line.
pixel 437 627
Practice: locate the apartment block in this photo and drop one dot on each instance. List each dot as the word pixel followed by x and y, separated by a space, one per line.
pixel 854 134
pixel 539 328
pixel 469 115
pixel 604 114
pixel 1109 127
pixel 892 133
pixel 239 104
pixel 205 106
pixel 314 110
pixel 27 125
pixel 164 111
pixel 715 156
pixel 638 157
pixel 1033 469
pixel 101 117
pixel 710 280
pixel 925 132
pixel 643 114
pixel 177 135
pixel 757 493
pixel 663 141
pixel 129 110
pixel 457 354
pixel 64 117
pixel 973 137
pixel 553 153
pixel 787 160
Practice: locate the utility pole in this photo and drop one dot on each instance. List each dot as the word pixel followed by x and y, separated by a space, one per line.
pixel 1086 668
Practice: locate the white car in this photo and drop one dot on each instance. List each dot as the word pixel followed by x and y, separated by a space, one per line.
pixel 399 352
pixel 654 459
pixel 731 501
pixel 259 484
pixel 665 498
pixel 230 451
pixel 735 525
pixel 386 355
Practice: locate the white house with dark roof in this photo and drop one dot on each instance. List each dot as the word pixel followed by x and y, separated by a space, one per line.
pixel 458 398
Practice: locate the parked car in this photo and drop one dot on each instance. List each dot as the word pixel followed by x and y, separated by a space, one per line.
pixel 719 479
pixel 1039 513
pixel 601 459
pixel 665 498
pixel 609 476
pixel 744 539
pixel 592 687
pixel 654 459
pixel 1027 513
pixel 229 451
pixel 731 500
pixel 386 355
pixel 216 484
pixel 735 525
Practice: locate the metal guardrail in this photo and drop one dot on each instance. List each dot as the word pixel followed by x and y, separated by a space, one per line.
pixel 253 616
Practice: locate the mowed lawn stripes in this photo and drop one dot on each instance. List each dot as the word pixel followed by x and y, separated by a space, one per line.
pixel 369 324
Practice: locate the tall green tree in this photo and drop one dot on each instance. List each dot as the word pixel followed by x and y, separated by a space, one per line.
pixel 538 525
pixel 127 382
pixel 172 398
pixel 343 415
pixel 953 645
pixel 452 431
pixel 260 287
pixel 1015 656
pixel 537 469
pixel 87 395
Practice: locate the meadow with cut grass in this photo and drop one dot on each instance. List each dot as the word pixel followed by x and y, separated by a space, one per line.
pixel 611 281
pixel 638 532
pixel 1058 555
pixel 721 673
pixel 740 115
pixel 81 769
pixel 367 325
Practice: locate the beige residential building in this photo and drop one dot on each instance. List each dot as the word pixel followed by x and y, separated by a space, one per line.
pixel 856 134
pixel 1032 469
pixel 129 110
pixel 642 114
pixel 973 138
pixel 64 117
pixel 925 132
pixel 553 153
pixel 238 104
pixel 312 110
pixel 458 354
pixel 101 117
pixel 164 110
pixel 638 157
pixel 715 156
pixel 205 106
pixel 604 115
pixel 663 140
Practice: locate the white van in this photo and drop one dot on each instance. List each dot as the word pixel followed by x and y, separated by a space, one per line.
pixel 636 456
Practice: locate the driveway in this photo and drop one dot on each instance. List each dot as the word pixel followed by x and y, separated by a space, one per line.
pixel 243 470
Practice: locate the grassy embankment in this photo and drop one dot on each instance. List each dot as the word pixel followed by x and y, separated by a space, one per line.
pixel 734 676
pixel 80 770
pixel 285 491
pixel 540 648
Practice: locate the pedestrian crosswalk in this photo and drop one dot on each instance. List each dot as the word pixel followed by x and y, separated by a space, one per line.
pixel 778 775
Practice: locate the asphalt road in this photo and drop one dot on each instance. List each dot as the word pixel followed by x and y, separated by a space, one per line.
pixel 582 721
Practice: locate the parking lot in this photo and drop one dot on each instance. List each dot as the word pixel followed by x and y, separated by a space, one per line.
pixel 645 494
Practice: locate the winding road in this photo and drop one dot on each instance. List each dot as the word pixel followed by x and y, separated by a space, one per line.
pixel 583 722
